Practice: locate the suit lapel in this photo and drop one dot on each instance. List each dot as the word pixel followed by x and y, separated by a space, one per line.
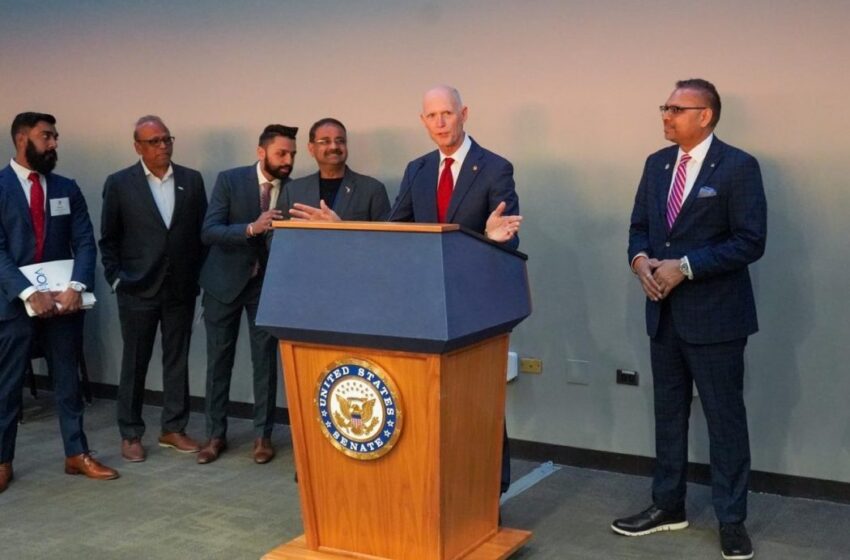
pixel 12 185
pixel 472 164
pixel 667 164
pixel 179 193
pixel 345 193
pixel 253 188
pixel 425 190
pixel 712 159
pixel 313 194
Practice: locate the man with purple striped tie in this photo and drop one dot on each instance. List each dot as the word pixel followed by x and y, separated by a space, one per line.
pixel 699 220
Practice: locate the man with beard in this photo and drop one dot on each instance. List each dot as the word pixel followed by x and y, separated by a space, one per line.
pixel 152 253
pixel 351 195
pixel 241 210
pixel 43 217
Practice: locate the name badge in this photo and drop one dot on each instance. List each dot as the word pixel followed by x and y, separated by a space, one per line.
pixel 60 206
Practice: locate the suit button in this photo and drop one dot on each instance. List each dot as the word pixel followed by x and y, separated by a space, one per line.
pixel 667 244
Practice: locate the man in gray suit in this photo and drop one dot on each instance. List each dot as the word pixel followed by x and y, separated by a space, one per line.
pixel 241 210
pixel 351 195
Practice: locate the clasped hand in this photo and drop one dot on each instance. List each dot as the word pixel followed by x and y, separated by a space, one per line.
pixel 48 304
pixel 658 277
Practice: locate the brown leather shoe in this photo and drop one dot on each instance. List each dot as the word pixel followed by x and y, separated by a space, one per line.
pixel 85 464
pixel 132 450
pixel 6 475
pixel 211 450
pixel 179 442
pixel 263 450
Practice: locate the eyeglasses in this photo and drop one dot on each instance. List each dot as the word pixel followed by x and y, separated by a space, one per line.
pixel 328 141
pixel 675 109
pixel 154 142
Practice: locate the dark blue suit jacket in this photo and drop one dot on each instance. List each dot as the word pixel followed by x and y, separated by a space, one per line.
pixel 68 236
pixel 234 203
pixel 485 180
pixel 721 228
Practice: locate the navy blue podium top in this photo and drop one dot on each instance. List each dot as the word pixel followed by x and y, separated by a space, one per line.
pixel 428 288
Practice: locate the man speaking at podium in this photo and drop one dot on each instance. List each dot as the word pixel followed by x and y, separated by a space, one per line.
pixel 459 183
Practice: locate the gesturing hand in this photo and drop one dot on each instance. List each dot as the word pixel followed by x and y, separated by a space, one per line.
pixel 305 213
pixel 501 228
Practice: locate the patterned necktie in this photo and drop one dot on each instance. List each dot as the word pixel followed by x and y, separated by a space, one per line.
pixel 444 190
pixel 37 214
pixel 265 196
pixel 674 202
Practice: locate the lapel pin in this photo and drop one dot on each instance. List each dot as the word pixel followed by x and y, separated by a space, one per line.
pixel 347 189
pixel 179 188
pixel 712 165
pixel 667 166
pixel 475 168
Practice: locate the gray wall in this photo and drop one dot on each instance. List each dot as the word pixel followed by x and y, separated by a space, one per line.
pixel 568 91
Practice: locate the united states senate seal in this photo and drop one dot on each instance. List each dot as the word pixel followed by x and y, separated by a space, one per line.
pixel 359 408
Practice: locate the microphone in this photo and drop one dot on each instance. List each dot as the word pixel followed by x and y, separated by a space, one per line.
pixel 406 192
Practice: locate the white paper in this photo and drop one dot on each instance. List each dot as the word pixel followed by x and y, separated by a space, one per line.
pixel 53 276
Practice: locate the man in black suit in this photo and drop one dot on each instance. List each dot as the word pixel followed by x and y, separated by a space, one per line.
pixel 351 195
pixel 699 220
pixel 150 243
pixel 242 207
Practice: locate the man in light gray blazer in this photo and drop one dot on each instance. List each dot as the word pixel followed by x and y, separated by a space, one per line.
pixel 335 186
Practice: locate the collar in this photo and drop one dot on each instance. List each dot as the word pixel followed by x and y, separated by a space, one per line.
pixel 699 151
pixel 23 173
pixel 148 173
pixel 460 154
pixel 262 178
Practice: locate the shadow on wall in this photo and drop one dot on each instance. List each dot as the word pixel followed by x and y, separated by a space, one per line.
pixel 772 380
pixel 90 164
pixel 559 328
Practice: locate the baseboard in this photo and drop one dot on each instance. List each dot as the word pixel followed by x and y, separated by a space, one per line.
pixel 760 481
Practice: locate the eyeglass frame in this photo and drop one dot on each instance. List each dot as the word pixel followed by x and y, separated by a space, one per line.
pixel 329 141
pixel 154 142
pixel 677 109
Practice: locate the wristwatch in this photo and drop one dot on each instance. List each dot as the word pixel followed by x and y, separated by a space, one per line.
pixel 685 267
pixel 76 286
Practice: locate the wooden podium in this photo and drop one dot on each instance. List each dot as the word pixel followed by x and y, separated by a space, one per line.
pixel 394 342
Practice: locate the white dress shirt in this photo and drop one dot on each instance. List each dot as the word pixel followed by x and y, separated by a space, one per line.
pixel 162 191
pixel 275 192
pixel 458 156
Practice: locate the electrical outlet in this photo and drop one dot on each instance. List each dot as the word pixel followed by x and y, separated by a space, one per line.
pixel 627 377
pixel 531 365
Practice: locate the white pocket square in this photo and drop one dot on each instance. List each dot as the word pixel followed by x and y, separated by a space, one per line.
pixel 706 192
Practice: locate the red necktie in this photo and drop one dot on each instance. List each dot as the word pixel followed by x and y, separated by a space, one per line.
pixel 37 214
pixel 674 202
pixel 444 190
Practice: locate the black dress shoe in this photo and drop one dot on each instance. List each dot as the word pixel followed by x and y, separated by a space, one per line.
pixel 735 542
pixel 650 520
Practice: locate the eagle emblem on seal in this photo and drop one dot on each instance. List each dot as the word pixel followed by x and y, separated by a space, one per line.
pixel 356 415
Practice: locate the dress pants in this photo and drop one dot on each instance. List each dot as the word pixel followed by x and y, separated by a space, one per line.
pixel 140 318
pixel 60 339
pixel 505 481
pixel 718 371
pixel 222 322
